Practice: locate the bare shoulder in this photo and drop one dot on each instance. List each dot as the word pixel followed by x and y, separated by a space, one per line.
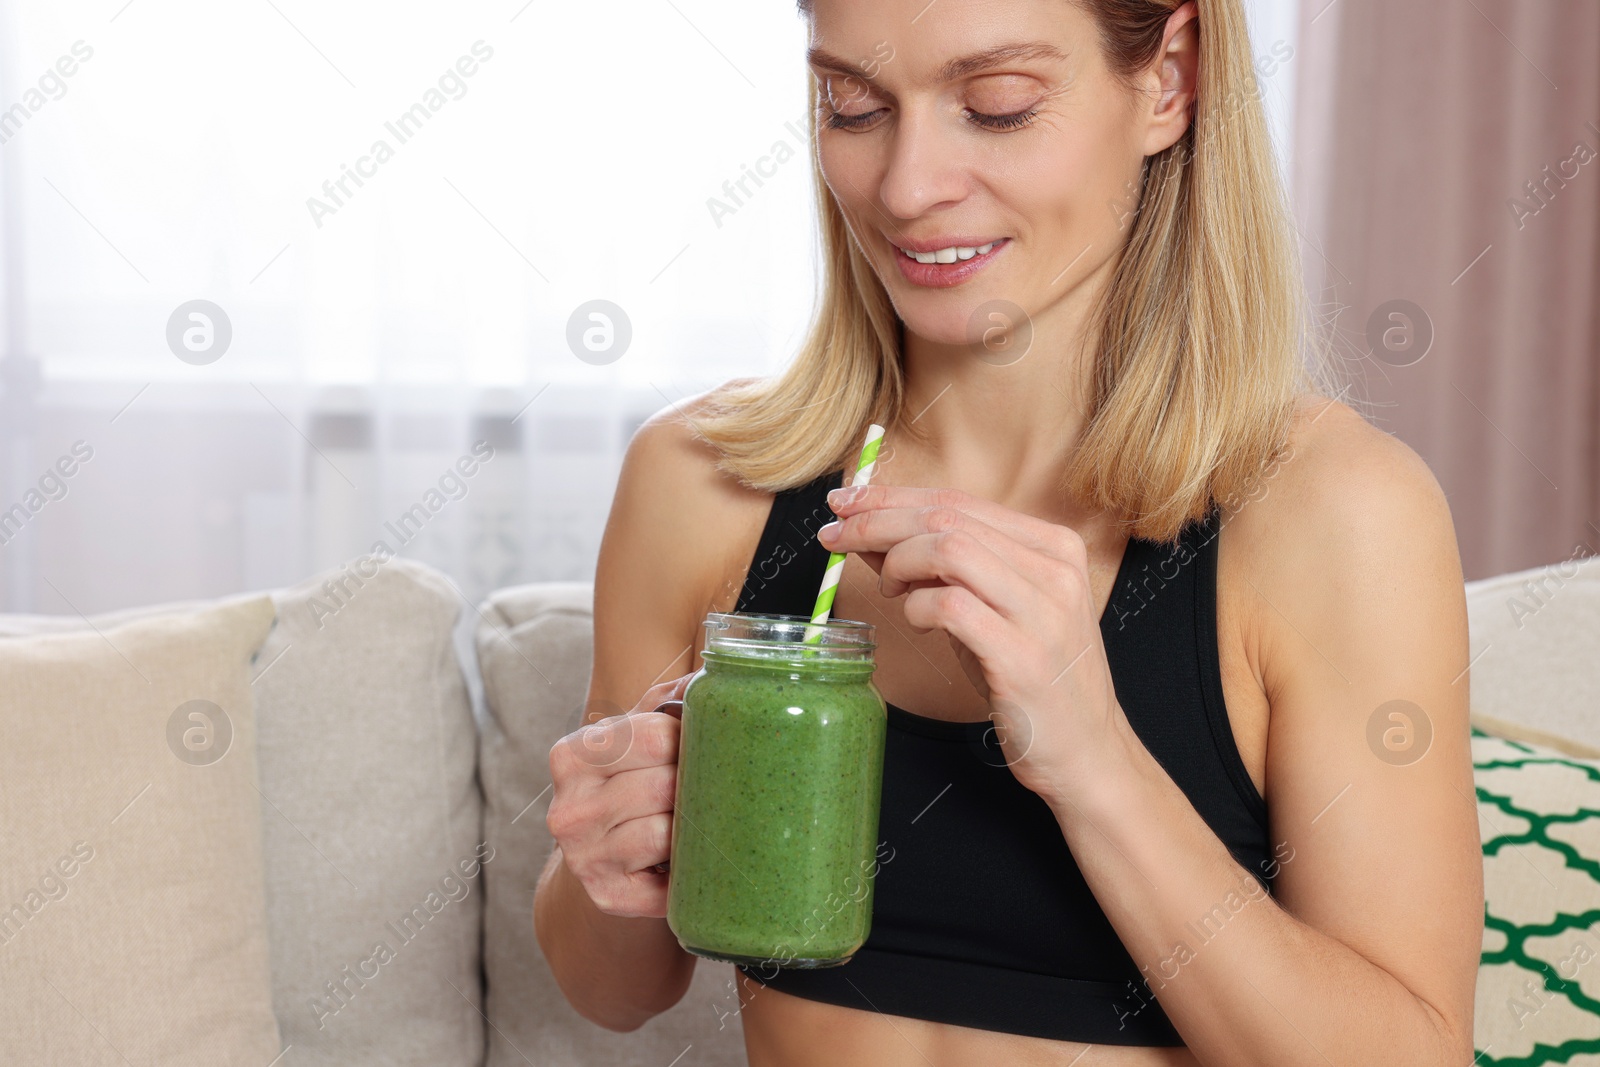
pixel 696 517
pixel 1346 501
pixel 1346 537
pixel 671 462
pixel 677 528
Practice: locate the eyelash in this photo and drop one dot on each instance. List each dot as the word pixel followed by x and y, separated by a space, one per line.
pixel 1013 121
pixel 1003 122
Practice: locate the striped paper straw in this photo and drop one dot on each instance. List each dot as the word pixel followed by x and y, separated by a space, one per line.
pixel 830 577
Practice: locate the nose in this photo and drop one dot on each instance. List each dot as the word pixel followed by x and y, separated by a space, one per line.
pixel 926 165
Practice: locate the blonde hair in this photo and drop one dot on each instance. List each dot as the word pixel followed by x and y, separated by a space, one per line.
pixel 1198 335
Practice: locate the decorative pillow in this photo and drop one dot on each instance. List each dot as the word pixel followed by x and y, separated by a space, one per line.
pixel 370 816
pixel 1538 996
pixel 374 834
pixel 132 919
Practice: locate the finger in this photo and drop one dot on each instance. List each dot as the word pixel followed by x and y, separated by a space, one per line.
pixel 639 793
pixel 639 844
pixel 957 611
pixel 959 558
pixel 645 896
pixel 638 894
pixel 882 529
pixel 620 743
pixel 668 701
pixel 663 692
pixel 1035 532
pixel 599 707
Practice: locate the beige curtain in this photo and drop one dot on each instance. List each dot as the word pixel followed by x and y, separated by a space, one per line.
pixel 1447 155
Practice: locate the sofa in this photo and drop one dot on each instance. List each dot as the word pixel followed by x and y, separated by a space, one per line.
pixel 303 827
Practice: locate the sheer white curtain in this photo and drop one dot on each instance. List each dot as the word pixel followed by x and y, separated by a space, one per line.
pixel 401 216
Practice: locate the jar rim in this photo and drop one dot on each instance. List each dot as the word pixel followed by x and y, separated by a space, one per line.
pixel 765 633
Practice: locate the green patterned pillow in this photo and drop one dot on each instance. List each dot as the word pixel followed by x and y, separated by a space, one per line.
pixel 1538 997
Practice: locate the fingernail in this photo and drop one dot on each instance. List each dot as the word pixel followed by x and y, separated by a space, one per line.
pixel 845 495
pixel 829 532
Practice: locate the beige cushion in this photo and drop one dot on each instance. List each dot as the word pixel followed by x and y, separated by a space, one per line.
pixel 130 865
pixel 369 753
pixel 535 650
pixel 368 764
pixel 1536 648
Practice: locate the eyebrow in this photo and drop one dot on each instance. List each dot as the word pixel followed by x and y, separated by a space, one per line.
pixel 961 67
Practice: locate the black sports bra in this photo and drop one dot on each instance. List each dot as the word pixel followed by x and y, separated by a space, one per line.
pixel 981 917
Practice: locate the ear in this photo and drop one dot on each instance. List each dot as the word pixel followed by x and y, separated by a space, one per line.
pixel 1172 80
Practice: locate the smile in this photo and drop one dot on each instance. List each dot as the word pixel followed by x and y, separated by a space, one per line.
pixel 948 255
pixel 950 265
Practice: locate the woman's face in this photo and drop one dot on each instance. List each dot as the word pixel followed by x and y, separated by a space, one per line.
pixel 1037 150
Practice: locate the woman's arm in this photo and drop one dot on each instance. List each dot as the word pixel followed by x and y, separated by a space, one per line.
pixel 1368 951
pixel 599 907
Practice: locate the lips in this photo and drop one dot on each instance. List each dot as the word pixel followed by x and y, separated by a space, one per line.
pixel 945 275
pixel 947 249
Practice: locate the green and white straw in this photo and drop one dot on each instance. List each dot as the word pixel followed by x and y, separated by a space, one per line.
pixel 830 578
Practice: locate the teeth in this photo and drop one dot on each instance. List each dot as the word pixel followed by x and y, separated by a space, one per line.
pixel 949 255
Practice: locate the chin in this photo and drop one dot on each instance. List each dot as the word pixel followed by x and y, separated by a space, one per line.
pixel 958 316
pixel 946 325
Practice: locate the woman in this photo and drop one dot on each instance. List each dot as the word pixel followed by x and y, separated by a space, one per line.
pixel 1223 814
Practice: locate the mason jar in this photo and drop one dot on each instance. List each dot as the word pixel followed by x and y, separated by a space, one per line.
pixel 780 770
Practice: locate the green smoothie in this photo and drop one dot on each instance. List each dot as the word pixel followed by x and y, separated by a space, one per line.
pixel 780 767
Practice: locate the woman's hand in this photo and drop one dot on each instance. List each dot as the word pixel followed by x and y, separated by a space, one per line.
pixel 1012 592
pixel 611 811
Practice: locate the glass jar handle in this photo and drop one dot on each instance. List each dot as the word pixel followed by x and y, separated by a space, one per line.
pixel 675 709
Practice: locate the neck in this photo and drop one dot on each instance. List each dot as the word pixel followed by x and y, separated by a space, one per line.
pixel 997 425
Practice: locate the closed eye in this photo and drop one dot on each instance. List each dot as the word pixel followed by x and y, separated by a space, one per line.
pixel 838 121
pixel 1016 120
